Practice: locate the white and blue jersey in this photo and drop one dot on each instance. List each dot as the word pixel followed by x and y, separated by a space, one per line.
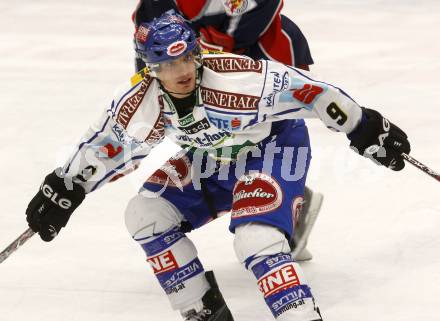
pixel 243 106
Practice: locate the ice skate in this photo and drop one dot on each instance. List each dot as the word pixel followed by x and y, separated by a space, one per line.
pixel 306 221
pixel 214 306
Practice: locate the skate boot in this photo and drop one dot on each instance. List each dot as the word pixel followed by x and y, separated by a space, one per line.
pixel 307 218
pixel 214 306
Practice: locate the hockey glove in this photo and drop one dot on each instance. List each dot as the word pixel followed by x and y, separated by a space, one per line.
pixel 51 207
pixel 380 140
pixel 212 39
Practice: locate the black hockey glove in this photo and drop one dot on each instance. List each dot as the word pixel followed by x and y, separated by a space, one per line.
pixel 51 207
pixel 380 140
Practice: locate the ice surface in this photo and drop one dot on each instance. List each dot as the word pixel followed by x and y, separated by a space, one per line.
pixel 376 244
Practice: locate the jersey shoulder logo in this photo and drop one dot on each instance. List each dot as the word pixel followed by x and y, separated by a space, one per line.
pixel 307 93
pixel 235 7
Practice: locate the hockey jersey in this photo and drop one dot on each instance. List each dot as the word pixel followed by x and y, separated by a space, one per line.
pixel 244 20
pixel 239 101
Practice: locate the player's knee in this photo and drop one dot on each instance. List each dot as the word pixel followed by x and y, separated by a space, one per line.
pixel 253 240
pixel 145 217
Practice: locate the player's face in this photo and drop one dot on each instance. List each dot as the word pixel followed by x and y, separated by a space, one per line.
pixel 178 76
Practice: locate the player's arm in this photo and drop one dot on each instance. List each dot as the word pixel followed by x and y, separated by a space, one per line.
pixel 104 153
pixel 293 94
pixel 247 21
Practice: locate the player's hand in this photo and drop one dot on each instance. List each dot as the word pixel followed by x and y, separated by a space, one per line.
pixel 51 207
pixel 380 140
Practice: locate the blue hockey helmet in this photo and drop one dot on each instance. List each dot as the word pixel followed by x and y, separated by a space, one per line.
pixel 165 38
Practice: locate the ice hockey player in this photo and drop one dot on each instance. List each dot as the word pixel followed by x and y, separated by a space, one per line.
pixel 247 151
pixel 256 29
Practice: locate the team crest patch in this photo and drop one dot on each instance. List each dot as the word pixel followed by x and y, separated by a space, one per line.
pixel 235 7
pixel 176 172
pixel 177 48
pixel 255 194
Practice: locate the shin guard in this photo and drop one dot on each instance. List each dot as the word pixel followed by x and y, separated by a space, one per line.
pixel 174 260
pixel 285 289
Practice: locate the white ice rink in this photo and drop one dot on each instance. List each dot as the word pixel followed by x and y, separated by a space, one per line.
pixel 376 244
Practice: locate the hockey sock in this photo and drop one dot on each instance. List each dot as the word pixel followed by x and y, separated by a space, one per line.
pixel 284 287
pixel 173 258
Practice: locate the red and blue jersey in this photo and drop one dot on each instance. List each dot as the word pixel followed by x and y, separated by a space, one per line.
pixel 255 28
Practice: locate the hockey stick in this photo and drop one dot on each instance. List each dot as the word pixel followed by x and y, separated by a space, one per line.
pixel 19 241
pixel 421 166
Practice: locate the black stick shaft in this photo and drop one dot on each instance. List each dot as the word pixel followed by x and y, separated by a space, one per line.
pixel 421 166
pixel 16 244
